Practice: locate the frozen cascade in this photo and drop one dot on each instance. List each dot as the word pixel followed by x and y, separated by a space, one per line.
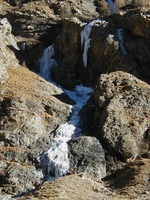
pixel 47 62
pixel 111 6
pixel 121 41
pixel 54 161
pixel 85 37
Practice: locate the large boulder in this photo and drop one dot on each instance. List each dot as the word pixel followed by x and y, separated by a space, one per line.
pixel 87 156
pixel 122 118
pixel 18 177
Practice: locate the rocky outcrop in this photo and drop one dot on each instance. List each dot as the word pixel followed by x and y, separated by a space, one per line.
pixel 136 36
pixel 31 109
pixel 130 182
pixel 7 44
pixel 18 177
pixel 29 113
pixel 68 54
pixel 143 6
pixel 122 118
pixel 111 49
pixel 87 156
pixel 103 54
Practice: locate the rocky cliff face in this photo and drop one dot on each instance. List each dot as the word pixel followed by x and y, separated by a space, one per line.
pixel 105 53
pixel 29 113
pixel 112 56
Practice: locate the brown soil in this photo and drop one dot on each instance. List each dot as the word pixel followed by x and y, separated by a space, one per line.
pixel 131 182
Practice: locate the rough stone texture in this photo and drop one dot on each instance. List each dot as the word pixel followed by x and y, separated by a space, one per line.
pixel 18 177
pixel 136 28
pixel 7 45
pixel 68 54
pixel 132 181
pixel 36 18
pixel 129 183
pixel 29 112
pixel 142 5
pixel 41 22
pixel 38 23
pixel 30 109
pixel 87 156
pixel 104 54
pixel 122 117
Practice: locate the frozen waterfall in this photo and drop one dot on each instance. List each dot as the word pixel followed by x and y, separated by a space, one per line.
pixel 54 161
pixel 112 6
pixel 121 41
pixel 47 62
pixel 85 37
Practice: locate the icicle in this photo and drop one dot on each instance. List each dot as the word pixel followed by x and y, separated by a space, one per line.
pixel 121 41
pixel 111 6
pixel 47 62
pixel 85 37
pixel 54 161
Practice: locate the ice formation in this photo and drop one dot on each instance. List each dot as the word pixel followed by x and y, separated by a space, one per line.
pixel 121 41
pixel 47 62
pixel 111 6
pixel 54 161
pixel 85 37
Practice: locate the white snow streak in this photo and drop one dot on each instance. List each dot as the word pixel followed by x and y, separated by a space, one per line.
pixel 55 160
pixel 47 62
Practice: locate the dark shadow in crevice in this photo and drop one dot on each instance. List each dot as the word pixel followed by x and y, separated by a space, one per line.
pixel 20 55
pixel 64 98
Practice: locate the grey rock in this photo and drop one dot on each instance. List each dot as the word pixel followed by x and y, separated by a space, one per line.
pixel 121 117
pixel 6 40
pixel 30 110
pixel 19 177
pixel 87 156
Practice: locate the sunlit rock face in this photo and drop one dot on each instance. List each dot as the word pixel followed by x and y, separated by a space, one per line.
pixel 31 109
pixel 29 113
pixel 143 6
pixel 121 117
pixel 8 46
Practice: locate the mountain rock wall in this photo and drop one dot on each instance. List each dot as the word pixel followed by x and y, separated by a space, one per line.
pixel 116 118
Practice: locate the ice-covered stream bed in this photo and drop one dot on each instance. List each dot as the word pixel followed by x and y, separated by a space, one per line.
pixel 54 161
